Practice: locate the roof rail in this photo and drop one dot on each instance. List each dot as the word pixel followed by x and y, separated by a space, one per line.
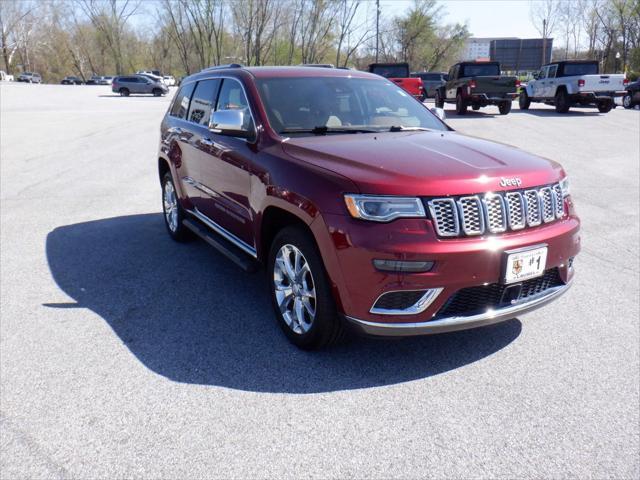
pixel 220 67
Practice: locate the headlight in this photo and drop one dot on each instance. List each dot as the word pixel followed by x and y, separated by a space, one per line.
pixel 564 186
pixel 383 209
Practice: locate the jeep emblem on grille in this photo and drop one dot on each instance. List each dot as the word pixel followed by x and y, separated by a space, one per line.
pixel 510 182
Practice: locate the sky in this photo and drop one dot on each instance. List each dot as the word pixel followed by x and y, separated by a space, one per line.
pixel 485 18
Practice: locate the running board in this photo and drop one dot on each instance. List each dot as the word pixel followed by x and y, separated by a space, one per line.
pixel 234 254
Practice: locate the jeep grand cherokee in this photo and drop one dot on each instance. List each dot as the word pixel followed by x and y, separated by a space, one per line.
pixel 365 209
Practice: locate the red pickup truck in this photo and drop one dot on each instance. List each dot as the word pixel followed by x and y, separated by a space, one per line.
pixel 399 74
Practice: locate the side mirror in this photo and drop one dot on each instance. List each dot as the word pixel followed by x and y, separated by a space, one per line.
pixel 535 76
pixel 229 122
pixel 439 112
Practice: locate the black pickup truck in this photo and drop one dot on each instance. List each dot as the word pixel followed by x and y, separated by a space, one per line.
pixel 477 84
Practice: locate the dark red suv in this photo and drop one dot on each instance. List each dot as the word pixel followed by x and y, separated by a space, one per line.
pixel 365 209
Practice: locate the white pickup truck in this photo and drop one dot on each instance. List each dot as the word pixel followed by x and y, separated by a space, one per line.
pixel 573 83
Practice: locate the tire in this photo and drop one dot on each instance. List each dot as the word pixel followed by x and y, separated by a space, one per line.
pixel 157 92
pixel 504 108
pixel 173 217
pixel 438 100
pixel 312 325
pixel 124 92
pixel 461 105
pixel 562 101
pixel 524 101
pixel 626 101
pixel 605 107
pixel 475 107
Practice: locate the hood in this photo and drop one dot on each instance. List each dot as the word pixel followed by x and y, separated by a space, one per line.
pixel 424 163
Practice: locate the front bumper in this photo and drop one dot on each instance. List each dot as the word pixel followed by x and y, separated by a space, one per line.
pixel 452 324
pixel 349 247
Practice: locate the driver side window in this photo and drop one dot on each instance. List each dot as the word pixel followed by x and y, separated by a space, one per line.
pixel 232 97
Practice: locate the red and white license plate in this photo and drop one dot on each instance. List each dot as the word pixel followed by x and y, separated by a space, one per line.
pixel 525 264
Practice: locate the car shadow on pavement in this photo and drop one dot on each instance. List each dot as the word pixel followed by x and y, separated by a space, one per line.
pixel 189 314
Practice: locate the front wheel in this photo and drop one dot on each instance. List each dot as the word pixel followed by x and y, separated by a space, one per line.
pixel 300 291
pixel 157 92
pixel 524 102
pixel 439 101
pixel 461 105
pixel 173 213
pixel 504 108
pixel 626 101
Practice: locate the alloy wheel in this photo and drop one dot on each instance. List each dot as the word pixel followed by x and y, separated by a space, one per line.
pixel 170 203
pixel 294 289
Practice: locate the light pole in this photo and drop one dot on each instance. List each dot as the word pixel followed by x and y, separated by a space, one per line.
pixel 617 61
pixel 377 28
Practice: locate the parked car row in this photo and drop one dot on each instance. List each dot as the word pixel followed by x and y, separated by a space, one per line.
pixel 562 84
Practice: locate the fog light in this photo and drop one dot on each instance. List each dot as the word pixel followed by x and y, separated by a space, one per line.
pixel 403 266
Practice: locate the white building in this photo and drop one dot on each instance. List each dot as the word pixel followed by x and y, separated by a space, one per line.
pixel 479 48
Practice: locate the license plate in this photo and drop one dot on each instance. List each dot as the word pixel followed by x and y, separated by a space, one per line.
pixel 525 264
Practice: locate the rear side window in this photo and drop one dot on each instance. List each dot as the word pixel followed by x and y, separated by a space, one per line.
pixel 180 105
pixel 202 101
pixel 571 69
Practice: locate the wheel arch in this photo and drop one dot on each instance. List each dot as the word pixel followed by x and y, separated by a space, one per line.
pixel 273 219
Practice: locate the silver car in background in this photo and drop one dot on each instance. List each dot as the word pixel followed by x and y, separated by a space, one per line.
pixel 128 84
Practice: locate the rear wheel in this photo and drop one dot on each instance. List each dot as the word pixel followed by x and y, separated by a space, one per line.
pixel 475 107
pixel 300 291
pixel 461 105
pixel 605 107
pixel 524 101
pixel 124 92
pixel 562 101
pixel 439 101
pixel 173 213
pixel 626 101
pixel 504 108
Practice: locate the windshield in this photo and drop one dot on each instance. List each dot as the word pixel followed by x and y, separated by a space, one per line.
pixel 341 104
pixel 391 71
pixel 580 69
pixel 487 70
pixel 430 77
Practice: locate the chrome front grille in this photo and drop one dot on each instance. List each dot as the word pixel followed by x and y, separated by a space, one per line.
pixel 496 212
pixel 471 215
pixel 532 206
pixel 445 215
pixel 516 211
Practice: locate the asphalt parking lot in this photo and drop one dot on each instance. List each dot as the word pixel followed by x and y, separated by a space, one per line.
pixel 123 353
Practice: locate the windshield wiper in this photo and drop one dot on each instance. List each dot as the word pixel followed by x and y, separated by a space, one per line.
pixel 400 128
pixel 323 130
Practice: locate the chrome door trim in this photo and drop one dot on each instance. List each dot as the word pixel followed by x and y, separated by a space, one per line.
pixel 223 232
